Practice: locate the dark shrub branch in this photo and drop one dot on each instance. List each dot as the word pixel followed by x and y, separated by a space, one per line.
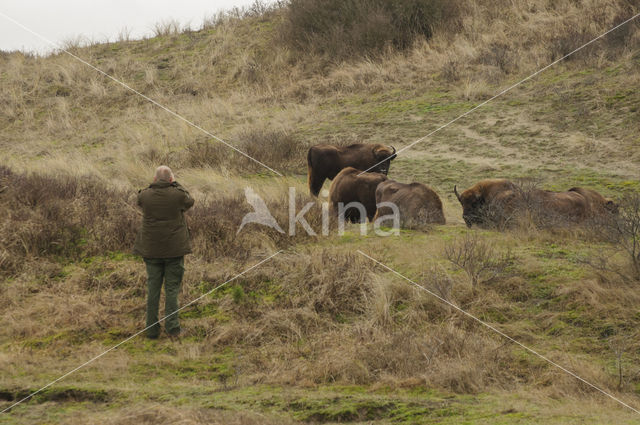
pixel 478 259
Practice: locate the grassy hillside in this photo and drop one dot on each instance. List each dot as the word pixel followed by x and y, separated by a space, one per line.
pixel 320 334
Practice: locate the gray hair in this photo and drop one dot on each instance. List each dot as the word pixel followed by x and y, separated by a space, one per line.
pixel 164 173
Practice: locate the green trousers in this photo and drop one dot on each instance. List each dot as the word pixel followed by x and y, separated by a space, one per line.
pixel 169 270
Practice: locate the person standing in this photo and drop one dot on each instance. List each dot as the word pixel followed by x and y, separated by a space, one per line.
pixel 163 241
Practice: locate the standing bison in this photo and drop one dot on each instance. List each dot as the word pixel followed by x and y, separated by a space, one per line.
pixel 359 190
pixel 326 161
pixel 417 203
pixel 498 201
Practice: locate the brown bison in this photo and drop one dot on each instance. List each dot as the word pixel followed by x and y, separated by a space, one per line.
pixel 575 205
pixel 498 201
pixel 326 161
pixel 417 203
pixel 557 207
pixel 598 204
pixel 350 187
pixel 482 200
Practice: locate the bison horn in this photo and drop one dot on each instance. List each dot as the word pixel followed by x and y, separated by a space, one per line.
pixel 455 190
pixel 394 151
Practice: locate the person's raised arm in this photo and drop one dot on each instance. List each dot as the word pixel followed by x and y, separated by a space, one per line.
pixel 188 200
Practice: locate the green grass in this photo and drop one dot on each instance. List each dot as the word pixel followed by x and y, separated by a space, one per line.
pixel 162 372
pixel 331 404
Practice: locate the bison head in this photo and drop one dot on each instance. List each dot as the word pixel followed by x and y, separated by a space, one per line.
pixel 383 156
pixel 472 203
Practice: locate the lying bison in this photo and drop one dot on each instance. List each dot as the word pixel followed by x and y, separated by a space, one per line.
pixel 550 207
pixel 499 202
pixel 482 201
pixel 598 204
pixel 326 161
pixel 575 205
pixel 359 190
pixel 417 203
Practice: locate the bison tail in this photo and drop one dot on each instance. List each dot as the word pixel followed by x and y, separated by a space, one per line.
pixel 311 180
pixel 309 158
pixel 309 173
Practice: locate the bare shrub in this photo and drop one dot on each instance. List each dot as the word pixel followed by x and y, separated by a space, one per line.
pixel 478 258
pixel 529 210
pixel 498 214
pixel 70 217
pixel 571 39
pixel 620 38
pixel 257 9
pixel 340 29
pixel 336 28
pixel 451 70
pixel 63 216
pixel 499 55
pixel 439 282
pixel 35 190
pixel 214 230
pixel 622 230
pixel 278 149
pixel 625 230
pixel 272 146
pixel 203 152
pixel 627 373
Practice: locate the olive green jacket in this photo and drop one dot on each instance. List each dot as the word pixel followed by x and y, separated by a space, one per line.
pixel 164 232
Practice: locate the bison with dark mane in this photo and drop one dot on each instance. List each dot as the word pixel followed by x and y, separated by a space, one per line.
pixel 417 203
pixel 483 199
pixel 499 201
pixel 353 186
pixel 326 161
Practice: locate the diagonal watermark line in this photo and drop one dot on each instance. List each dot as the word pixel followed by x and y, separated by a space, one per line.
pixel 138 333
pixel 409 146
pixel 501 333
pixel 147 98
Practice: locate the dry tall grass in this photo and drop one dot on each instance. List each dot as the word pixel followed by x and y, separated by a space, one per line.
pixel 315 317
pixel 71 218
pixel 235 80
pixel 76 147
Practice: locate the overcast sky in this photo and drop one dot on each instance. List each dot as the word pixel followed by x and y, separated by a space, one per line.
pixel 60 20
